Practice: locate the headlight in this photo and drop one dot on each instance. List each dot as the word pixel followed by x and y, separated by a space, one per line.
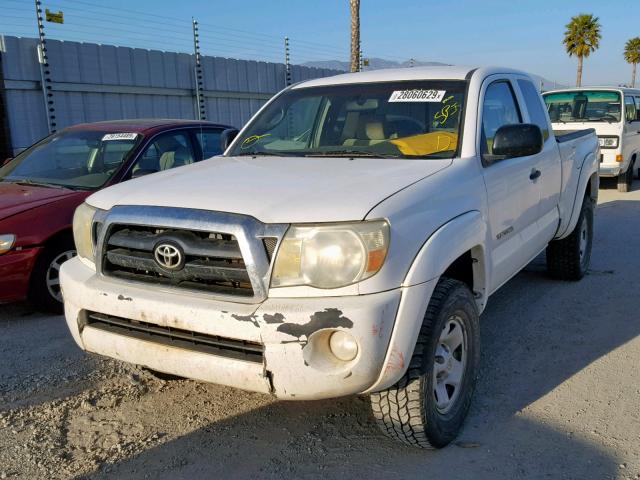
pixel 608 142
pixel 6 242
pixel 331 256
pixel 82 235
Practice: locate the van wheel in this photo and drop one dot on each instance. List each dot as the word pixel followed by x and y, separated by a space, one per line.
pixel 625 180
pixel 44 291
pixel 428 405
pixel 569 258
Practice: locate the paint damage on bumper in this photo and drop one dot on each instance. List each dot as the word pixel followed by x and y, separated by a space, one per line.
pixel 297 362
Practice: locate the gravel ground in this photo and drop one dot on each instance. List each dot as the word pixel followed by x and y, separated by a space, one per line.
pixel 558 396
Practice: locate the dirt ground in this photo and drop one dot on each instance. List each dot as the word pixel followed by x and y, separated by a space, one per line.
pixel 558 396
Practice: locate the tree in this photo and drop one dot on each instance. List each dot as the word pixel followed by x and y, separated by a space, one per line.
pixel 355 35
pixel 632 55
pixel 582 38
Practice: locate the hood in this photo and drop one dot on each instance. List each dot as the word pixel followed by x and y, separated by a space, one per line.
pixel 16 198
pixel 275 189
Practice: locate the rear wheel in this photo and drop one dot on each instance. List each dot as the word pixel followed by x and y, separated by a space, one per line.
pixel 428 405
pixel 569 258
pixel 45 291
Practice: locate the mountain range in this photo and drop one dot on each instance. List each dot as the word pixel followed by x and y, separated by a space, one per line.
pixel 380 63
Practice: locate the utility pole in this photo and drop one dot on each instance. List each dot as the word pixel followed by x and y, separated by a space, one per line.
pixel 355 34
pixel 45 72
pixel 412 62
pixel 287 63
pixel 201 112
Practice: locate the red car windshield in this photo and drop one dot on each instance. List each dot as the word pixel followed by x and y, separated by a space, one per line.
pixel 83 160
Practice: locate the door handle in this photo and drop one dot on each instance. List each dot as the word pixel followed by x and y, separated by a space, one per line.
pixel 535 173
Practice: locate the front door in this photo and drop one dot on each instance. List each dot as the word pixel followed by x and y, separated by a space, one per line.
pixel 512 188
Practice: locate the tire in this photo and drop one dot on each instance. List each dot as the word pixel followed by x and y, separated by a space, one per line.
pixel 44 289
pixel 625 180
pixel 410 411
pixel 569 258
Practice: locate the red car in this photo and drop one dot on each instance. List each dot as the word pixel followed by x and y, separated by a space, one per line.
pixel 42 186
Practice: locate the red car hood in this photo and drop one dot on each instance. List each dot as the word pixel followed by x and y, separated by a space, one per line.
pixel 20 198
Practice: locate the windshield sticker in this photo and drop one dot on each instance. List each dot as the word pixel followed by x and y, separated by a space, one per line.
pixel 119 136
pixel 253 139
pixel 450 108
pixel 417 95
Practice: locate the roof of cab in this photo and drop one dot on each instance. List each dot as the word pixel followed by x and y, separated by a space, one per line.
pixel 599 87
pixel 143 125
pixel 446 72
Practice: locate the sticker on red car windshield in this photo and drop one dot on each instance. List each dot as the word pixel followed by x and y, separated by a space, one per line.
pixel 119 136
pixel 417 95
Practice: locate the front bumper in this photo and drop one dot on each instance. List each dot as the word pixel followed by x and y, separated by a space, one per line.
pixel 15 273
pixel 294 364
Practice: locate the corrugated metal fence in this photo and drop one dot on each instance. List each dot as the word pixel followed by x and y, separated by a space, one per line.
pixel 92 82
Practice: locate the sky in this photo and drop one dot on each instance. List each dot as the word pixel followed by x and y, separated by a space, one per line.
pixel 520 34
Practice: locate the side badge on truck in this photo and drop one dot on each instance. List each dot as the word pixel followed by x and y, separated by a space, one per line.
pixel 168 256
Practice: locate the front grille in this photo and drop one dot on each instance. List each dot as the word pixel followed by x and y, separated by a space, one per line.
pixel 211 344
pixel 211 262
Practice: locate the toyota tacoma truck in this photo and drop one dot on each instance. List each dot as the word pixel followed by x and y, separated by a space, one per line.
pixel 345 243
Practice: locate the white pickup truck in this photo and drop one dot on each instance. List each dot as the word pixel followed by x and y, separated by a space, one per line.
pixel 345 243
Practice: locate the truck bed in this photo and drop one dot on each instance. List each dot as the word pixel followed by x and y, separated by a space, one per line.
pixel 568 135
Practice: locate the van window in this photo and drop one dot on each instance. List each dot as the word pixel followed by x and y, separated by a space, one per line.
pixel 500 108
pixel 630 109
pixel 534 106
pixel 584 106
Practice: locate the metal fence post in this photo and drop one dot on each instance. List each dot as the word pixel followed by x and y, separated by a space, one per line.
pixel 287 63
pixel 6 149
pixel 201 112
pixel 45 72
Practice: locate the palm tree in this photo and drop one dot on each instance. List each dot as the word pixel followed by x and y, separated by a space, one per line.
pixel 582 38
pixel 632 55
pixel 355 35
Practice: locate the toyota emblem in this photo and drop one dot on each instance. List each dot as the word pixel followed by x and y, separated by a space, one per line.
pixel 168 256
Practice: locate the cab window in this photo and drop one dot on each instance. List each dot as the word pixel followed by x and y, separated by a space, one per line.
pixel 537 115
pixel 500 108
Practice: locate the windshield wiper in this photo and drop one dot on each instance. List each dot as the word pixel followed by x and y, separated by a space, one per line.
pixel 262 154
pixel 37 184
pixel 350 153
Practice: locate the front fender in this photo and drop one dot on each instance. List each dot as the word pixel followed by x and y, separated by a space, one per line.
pixel 464 233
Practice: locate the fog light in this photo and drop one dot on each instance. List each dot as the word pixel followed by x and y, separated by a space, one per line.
pixel 343 346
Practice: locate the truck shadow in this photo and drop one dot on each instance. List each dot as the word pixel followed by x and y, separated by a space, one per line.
pixel 536 334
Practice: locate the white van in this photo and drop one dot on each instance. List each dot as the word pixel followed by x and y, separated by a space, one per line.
pixel 614 113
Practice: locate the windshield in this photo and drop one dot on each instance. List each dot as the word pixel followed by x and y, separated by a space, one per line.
pixel 417 119
pixel 584 106
pixel 78 159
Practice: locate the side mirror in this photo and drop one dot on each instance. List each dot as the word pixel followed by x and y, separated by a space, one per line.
pixel 227 137
pixel 518 140
pixel 6 160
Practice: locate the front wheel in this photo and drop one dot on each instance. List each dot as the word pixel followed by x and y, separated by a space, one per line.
pixel 428 405
pixel 625 180
pixel 45 292
pixel 569 258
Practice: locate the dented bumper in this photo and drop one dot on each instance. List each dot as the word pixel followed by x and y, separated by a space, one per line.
pixel 292 333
